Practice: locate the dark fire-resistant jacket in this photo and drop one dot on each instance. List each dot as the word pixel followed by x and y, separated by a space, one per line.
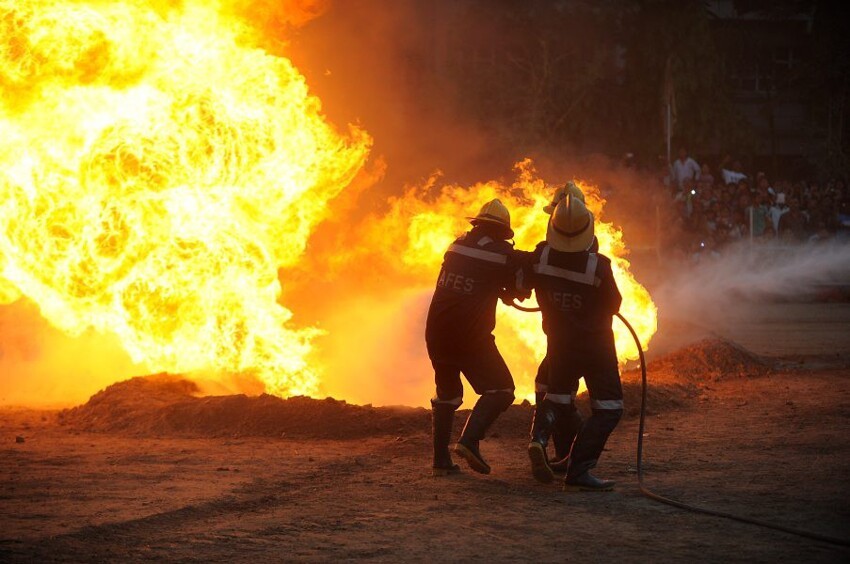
pixel 576 292
pixel 477 269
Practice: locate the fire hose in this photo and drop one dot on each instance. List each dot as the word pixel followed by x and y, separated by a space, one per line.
pixel 681 505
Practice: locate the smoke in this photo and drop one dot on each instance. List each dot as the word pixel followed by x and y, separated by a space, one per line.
pixel 722 291
pixel 751 274
pixel 374 63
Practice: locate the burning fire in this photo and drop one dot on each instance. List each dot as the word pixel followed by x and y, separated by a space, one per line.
pixel 158 171
pixel 430 217
pixel 155 172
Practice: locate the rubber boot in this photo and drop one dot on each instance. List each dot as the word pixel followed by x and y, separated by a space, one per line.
pixel 541 384
pixel 442 418
pixel 487 409
pixel 563 434
pixel 541 429
pixel 567 426
pixel 586 450
pixel 538 399
pixel 587 482
pixel 560 466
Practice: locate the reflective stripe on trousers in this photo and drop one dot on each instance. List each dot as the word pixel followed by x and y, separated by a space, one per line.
pixel 564 399
pixel 454 401
pixel 606 404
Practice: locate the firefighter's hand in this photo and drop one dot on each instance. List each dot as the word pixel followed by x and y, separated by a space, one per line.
pixel 519 294
pixel 508 296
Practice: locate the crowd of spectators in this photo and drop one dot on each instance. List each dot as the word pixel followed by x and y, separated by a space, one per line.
pixel 717 207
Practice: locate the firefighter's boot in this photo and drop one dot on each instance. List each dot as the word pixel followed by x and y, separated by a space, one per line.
pixel 586 450
pixel 567 425
pixel 442 418
pixel 587 482
pixel 487 409
pixel 541 429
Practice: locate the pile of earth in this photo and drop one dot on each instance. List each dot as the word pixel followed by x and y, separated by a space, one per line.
pixel 676 379
pixel 706 361
pixel 169 405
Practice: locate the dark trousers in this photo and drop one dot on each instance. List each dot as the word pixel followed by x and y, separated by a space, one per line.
pixel 597 364
pixel 482 365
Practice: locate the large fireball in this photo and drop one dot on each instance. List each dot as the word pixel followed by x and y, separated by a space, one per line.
pixel 161 177
pixel 155 172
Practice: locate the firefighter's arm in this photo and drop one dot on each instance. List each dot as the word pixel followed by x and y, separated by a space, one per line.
pixel 524 277
pixel 515 288
pixel 610 294
pixel 518 279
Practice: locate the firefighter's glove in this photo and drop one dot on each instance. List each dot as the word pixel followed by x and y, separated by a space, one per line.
pixel 508 296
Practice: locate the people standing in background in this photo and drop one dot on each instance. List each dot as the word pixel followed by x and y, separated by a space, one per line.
pixel 731 174
pixel 778 210
pixel 738 207
pixel 763 184
pixel 684 168
pixel 706 179
pixel 793 224
pixel 759 215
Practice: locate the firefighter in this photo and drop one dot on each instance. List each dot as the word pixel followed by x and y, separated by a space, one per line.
pixel 565 429
pixel 578 298
pixel 478 268
pixel 568 189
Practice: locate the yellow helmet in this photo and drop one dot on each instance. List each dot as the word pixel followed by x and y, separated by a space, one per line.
pixel 561 193
pixel 494 212
pixel 571 226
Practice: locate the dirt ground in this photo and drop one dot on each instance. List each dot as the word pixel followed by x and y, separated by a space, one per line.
pixel 771 444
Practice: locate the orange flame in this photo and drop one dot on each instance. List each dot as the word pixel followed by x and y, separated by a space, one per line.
pixel 426 220
pixel 155 172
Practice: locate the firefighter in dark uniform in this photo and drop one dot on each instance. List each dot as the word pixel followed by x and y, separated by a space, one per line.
pixel 566 428
pixel 478 269
pixel 578 298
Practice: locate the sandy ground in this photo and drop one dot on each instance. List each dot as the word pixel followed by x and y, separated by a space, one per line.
pixel 775 447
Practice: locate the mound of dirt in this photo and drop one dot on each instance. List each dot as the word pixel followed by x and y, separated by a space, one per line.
pixel 168 405
pixel 676 379
pixel 707 360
